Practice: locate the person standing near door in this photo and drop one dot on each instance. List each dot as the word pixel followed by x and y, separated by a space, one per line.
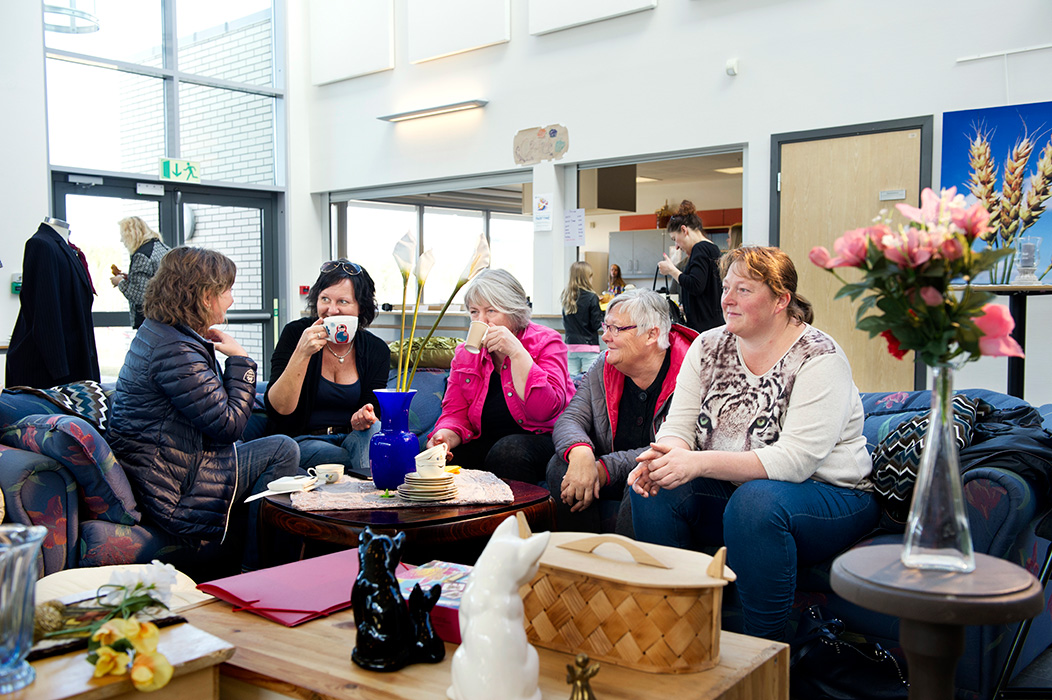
pixel 53 341
pixel 146 249
pixel 699 282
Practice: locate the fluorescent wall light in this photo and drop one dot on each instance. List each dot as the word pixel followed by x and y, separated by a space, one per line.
pixel 434 111
pixel 644 178
pixel 730 171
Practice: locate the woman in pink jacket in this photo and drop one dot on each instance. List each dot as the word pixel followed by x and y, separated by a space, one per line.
pixel 500 405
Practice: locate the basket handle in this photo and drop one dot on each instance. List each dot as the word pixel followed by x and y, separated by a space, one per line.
pixel 588 545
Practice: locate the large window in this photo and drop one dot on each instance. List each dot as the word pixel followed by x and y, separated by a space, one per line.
pixel 368 232
pixel 118 101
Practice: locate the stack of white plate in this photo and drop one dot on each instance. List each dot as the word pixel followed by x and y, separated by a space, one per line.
pixel 423 488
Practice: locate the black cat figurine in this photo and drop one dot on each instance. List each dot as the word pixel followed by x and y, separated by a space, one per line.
pixel 427 647
pixel 385 632
pixel 391 635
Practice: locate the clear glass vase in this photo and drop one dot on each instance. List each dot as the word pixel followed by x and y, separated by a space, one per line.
pixel 19 546
pixel 937 532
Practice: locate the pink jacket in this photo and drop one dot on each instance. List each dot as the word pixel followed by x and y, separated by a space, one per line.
pixel 548 386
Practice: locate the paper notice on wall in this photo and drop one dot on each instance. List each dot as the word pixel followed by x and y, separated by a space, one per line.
pixel 542 212
pixel 573 227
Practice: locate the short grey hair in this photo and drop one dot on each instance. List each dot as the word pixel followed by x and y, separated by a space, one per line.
pixel 500 289
pixel 647 309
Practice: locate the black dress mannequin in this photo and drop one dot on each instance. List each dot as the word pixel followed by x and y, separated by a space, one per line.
pixel 54 339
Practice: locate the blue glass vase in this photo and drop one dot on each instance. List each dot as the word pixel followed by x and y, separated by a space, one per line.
pixel 393 450
pixel 19 546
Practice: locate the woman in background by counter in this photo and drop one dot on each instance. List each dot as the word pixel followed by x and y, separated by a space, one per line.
pixel 581 318
pixel 699 282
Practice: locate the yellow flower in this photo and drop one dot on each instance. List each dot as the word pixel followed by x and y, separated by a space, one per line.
pixel 110 662
pixel 112 630
pixel 145 636
pixel 151 671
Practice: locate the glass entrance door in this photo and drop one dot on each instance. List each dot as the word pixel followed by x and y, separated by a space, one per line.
pixel 238 224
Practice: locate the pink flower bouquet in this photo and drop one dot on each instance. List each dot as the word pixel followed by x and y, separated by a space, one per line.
pixel 907 272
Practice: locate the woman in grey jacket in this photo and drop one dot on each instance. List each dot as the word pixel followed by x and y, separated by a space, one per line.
pixel 177 415
pixel 616 411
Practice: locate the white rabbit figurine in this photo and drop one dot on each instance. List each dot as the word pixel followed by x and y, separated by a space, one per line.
pixel 494 659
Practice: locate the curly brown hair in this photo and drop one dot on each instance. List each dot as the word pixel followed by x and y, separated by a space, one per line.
pixel 186 282
pixel 775 269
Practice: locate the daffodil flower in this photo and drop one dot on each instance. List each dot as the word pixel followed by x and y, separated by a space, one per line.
pixel 112 630
pixel 150 671
pixel 110 663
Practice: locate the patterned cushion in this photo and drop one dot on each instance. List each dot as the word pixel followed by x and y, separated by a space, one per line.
pixel 86 399
pixel 897 457
pixel 75 444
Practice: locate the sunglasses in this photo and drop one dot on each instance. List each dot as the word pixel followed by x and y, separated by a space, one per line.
pixel 349 267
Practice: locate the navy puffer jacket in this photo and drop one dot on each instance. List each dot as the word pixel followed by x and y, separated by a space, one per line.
pixel 174 423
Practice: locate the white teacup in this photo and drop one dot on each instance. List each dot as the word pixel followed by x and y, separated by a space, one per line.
pixel 476 334
pixel 429 471
pixel 329 473
pixel 341 329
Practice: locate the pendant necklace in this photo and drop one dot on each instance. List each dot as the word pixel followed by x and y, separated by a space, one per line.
pixel 342 357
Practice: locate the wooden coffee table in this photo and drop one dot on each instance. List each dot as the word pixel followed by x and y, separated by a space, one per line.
pixel 449 533
pixel 313 660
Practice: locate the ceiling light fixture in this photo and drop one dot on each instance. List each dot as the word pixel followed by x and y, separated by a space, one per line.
pixel 730 171
pixel 644 178
pixel 434 111
pixel 68 18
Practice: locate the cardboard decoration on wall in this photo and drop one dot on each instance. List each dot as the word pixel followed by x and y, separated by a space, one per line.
pixel 1002 156
pixel 548 16
pixel 348 40
pixel 439 29
pixel 540 143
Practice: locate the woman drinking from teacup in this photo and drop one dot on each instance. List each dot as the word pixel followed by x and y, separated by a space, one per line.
pixel 501 403
pixel 177 413
pixel 325 369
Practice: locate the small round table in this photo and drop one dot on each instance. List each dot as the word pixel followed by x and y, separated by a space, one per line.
pixel 934 607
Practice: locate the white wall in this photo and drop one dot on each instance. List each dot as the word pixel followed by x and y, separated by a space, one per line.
pixel 654 82
pixel 23 142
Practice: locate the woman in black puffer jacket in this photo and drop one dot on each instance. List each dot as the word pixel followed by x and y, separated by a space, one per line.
pixel 177 415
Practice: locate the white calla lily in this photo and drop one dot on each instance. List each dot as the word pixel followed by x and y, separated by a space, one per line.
pixel 423 267
pixel 479 262
pixel 404 252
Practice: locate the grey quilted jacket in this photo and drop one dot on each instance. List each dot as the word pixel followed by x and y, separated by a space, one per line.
pixel 593 409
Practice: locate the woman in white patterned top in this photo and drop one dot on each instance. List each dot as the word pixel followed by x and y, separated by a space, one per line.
pixel 763 448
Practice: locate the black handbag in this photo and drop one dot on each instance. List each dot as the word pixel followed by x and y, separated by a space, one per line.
pixel 825 666
pixel 674 312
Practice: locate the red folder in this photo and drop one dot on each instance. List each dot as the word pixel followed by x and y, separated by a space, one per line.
pixel 292 593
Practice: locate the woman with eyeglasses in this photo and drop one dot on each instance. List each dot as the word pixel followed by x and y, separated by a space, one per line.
pixel 177 413
pixel 763 447
pixel 699 282
pixel 501 403
pixel 321 390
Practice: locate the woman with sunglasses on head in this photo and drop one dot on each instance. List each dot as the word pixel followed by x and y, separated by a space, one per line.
pixel 501 403
pixel 321 390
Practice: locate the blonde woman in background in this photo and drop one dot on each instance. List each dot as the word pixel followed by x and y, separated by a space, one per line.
pixel 146 249
pixel 582 319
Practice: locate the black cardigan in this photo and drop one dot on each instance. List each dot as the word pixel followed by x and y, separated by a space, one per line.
pixel 582 327
pixel 700 287
pixel 372 357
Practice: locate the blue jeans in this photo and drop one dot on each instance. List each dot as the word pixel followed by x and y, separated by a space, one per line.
pixel 349 449
pixel 258 463
pixel 769 528
pixel 579 362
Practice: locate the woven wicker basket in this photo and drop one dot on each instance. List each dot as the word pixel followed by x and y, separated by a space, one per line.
pixel 656 611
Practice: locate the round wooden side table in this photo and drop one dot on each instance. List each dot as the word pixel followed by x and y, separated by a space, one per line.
pixel 934 607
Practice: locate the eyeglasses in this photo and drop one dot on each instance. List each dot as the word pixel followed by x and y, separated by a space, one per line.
pixel 614 330
pixel 349 267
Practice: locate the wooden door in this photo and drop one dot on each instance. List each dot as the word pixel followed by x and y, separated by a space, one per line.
pixel 829 186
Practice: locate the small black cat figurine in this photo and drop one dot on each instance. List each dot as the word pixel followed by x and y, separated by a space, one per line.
pixel 390 634
pixel 427 647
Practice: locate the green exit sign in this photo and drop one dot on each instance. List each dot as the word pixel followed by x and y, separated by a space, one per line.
pixel 180 170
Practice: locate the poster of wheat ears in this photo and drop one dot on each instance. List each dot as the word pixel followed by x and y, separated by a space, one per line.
pixel 1002 157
